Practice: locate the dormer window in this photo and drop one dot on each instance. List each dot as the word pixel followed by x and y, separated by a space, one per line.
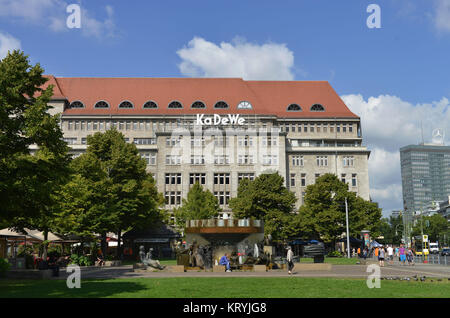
pixel 126 104
pixel 76 104
pixel 221 105
pixel 150 104
pixel 198 104
pixel 317 108
pixel 175 104
pixel 244 105
pixel 294 108
pixel 101 104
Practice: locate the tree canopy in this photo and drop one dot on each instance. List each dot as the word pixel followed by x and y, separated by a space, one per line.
pixel 323 213
pixel 266 198
pixel 200 204
pixel 110 190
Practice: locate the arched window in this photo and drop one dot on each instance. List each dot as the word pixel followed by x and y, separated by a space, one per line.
pixel 294 108
pixel 317 108
pixel 221 104
pixel 150 104
pixel 244 105
pixel 198 104
pixel 101 104
pixel 76 104
pixel 126 104
pixel 175 104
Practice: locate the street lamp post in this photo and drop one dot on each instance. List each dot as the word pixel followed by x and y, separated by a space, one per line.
pixel 346 221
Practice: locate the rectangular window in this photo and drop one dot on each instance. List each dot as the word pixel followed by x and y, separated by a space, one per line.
pixel 270 160
pixel 354 180
pixel 297 160
pixel 173 197
pixel 199 178
pixel 348 161
pixel 221 178
pixel 173 178
pixel 343 178
pixel 316 176
pixel 250 176
pixel 89 125
pixel 245 141
pixel 149 157
pixel 69 125
pixel 305 128
pixel 197 160
pixel 172 141
pixel 350 128
pixel 223 197
pixel 221 160
pixel 144 141
pixel 344 128
pixel 245 159
pixel 70 141
pixel 173 160
pixel 311 128
pixel 83 141
pixel 318 128
pixel 338 128
pixel 322 161
pixel 292 179
pixel 101 125
pixel 303 179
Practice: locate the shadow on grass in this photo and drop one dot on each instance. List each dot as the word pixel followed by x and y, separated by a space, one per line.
pixel 58 288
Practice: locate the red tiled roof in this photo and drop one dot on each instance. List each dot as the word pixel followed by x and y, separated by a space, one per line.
pixel 266 97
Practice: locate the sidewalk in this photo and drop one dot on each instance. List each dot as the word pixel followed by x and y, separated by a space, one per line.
pixel 341 271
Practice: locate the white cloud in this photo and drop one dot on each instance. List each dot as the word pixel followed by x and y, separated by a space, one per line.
pixel 389 123
pixel 269 61
pixel 7 43
pixel 52 14
pixel 442 15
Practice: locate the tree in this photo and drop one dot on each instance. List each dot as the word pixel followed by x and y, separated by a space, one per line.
pixel 323 213
pixel 266 198
pixel 391 229
pixel 200 204
pixel 435 226
pixel 118 194
pixel 28 182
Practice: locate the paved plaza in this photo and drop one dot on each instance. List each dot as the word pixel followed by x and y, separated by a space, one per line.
pixel 337 271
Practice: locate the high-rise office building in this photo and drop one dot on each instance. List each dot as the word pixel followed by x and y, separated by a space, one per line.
pixel 425 170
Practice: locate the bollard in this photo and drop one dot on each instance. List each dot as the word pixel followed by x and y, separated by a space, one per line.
pixel 439 259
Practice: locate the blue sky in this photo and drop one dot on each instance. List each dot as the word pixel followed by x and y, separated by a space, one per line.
pixel 404 65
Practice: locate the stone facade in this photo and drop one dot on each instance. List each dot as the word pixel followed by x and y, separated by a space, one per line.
pixel 299 147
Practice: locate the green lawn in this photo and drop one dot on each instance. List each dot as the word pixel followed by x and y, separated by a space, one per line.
pixel 232 287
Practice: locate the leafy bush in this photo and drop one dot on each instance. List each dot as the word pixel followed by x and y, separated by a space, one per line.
pixel 4 266
pixel 334 254
pixel 80 260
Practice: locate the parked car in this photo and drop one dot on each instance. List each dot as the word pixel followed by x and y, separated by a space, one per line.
pixel 445 252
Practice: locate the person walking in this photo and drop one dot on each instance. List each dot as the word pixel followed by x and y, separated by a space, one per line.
pixel 290 260
pixel 402 254
pixel 410 257
pixel 396 253
pixel 390 252
pixel 381 255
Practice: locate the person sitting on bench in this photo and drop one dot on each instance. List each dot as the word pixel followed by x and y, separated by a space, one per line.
pixel 224 261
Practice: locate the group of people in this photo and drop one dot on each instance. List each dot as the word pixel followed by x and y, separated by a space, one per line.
pixel 388 252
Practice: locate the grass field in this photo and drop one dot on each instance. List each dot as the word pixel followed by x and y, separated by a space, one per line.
pixel 232 287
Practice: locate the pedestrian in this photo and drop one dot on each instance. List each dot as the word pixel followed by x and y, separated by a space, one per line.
pixel 365 252
pixel 410 257
pixel 290 260
pixel 390 252
pixel 402 254
pixel 396 253
pixel 381 255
